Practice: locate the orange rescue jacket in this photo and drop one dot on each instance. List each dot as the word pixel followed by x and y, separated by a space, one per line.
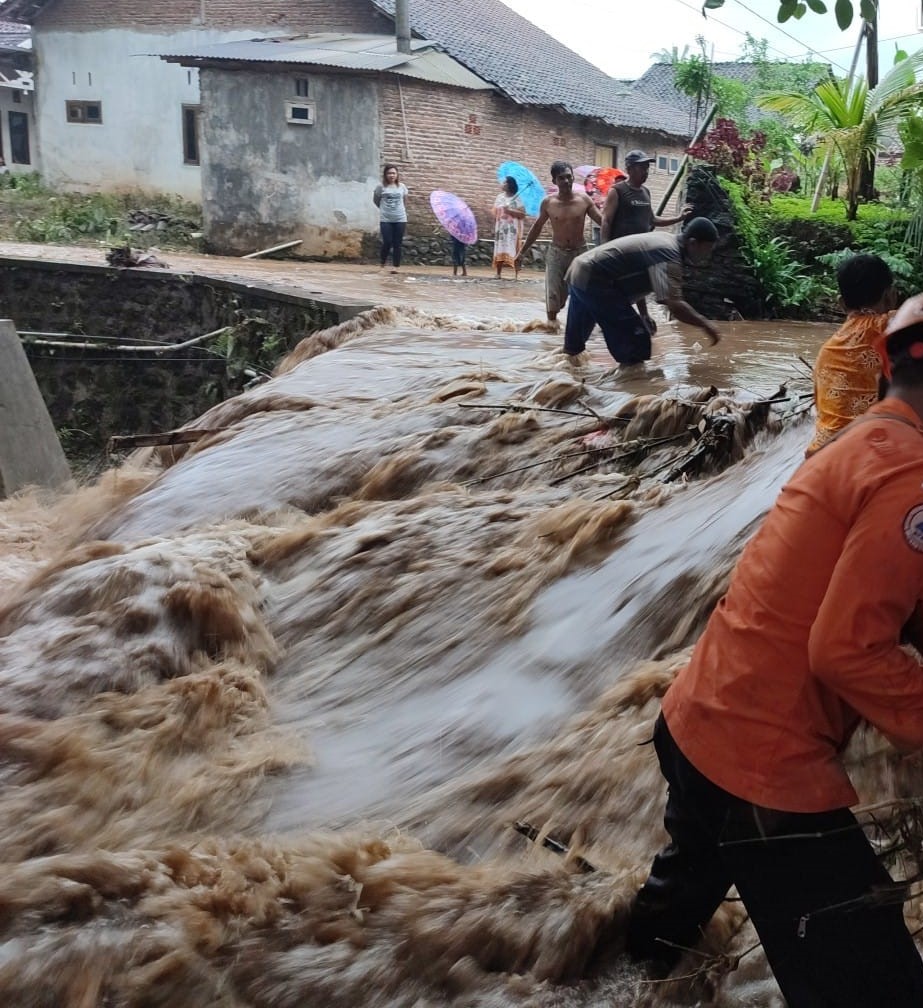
pixel 806 641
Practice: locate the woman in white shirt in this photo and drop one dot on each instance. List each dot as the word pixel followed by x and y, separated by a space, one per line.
pixel 389 198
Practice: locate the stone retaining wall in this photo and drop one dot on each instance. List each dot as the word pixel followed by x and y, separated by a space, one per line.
pixel 93 393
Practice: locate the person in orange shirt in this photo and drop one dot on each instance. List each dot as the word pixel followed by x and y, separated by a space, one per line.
pixel 848 369
pixel 805 644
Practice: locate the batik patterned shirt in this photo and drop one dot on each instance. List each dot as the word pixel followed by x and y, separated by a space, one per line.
pixel 846 374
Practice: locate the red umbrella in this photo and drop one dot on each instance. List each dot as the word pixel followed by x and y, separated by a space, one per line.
pixel 601 180
pixel 454 214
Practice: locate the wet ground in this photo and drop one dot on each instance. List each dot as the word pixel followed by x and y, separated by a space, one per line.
pixel 426 287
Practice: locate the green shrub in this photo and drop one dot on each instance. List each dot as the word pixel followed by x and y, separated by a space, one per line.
pixel 36 213
pixel 794 253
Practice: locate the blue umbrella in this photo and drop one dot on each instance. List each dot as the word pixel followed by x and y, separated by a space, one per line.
pixel 531 191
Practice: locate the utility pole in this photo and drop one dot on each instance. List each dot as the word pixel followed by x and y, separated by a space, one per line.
pixel 867 176
pixel 402 25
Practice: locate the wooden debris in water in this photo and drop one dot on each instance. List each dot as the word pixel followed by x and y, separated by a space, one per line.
pixel 534 834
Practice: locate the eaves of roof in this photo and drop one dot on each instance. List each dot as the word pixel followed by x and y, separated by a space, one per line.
pixel 340 51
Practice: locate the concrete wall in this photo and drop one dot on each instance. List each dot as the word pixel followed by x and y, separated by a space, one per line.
pixel 93 394
pixel 139 143
pixel 266 181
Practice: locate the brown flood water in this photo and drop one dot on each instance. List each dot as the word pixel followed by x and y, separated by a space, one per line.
pixel 270 707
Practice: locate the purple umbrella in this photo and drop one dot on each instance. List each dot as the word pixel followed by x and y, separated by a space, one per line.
pixel 454 214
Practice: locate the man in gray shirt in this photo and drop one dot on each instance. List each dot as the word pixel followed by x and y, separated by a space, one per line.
pixel 605 282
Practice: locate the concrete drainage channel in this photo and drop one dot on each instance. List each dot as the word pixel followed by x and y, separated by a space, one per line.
pixel 132 351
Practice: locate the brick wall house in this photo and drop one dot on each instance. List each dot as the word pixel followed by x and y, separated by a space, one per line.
pixel 172 124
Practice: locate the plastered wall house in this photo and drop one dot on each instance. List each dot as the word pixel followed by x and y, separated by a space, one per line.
pixel 17 86
pixel 277 116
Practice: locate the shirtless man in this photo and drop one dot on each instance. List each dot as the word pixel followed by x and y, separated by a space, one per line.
pixel 567 212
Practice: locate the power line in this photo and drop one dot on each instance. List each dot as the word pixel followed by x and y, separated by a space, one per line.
pixel 724 24
pixel 814 52
pixel 893 38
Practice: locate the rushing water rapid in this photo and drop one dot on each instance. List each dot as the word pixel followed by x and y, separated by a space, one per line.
pixel 272 703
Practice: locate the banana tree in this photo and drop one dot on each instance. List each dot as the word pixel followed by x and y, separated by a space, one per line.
pixel 849 119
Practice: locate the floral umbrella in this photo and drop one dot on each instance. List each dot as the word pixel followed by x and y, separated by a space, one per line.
pixel 454 214
pixel 531 191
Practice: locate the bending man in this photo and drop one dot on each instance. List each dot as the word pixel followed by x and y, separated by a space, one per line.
pixel 605 282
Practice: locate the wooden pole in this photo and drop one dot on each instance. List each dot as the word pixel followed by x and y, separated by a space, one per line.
pixel 867 177
pixel 269 251
pixel 684 164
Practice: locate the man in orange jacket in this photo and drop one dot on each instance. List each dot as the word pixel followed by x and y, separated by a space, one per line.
pixel 804 645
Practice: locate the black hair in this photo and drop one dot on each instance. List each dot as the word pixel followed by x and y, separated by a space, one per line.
pixel 511 184
pixel 558 167
pixel 384 173
pixel 863 280
pixel 702 229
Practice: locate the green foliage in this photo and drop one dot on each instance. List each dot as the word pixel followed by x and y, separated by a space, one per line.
pixel 788 285
pixel 794 252
pixel 732 98
pixel 843 10
pixel 30 211
pixel 850 120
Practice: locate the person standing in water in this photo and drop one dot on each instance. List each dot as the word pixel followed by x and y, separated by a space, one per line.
pixel 389 198
pixel 628 210
pixel 567 211
pixel 804 646
pixel 847 371
pixel 607 285
pixel 509 211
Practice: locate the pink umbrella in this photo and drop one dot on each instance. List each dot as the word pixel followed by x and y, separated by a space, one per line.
pixel 454 214
pixel 581 171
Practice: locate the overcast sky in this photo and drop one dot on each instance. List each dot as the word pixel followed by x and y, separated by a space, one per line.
pixel 620 36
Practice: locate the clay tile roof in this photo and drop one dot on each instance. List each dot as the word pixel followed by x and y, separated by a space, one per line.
pixel 531 67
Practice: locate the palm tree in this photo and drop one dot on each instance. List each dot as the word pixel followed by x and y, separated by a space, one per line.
pixel 849 119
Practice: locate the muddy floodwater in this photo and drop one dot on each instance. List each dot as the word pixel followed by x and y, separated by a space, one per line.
pixel 273 703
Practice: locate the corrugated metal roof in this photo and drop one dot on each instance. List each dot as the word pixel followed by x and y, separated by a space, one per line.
pixel 344 51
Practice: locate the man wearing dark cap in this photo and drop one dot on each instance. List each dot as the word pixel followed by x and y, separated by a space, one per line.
pixel 607 286
pixel 628 208
pixel 805 645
